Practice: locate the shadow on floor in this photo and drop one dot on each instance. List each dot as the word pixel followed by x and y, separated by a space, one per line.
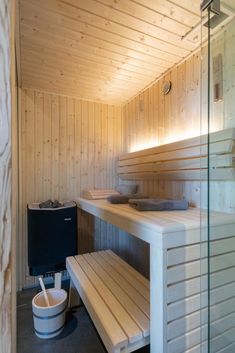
pixel 78 336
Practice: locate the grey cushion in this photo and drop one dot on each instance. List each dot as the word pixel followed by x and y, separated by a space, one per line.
pixel 125 189
pixel 120 199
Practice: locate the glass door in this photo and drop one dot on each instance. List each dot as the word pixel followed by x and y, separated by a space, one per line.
pixel 218 179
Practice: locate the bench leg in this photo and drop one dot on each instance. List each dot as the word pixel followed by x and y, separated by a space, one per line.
pixel 74 298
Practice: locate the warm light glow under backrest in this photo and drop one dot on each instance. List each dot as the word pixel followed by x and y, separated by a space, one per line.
pixel 143 145
pixel 172 137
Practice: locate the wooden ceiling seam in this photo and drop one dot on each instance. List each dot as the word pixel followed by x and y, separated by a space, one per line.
pixel 42 91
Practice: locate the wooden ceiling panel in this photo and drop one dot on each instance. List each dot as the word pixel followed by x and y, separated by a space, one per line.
pixel 117 22
pixel 102 50
pixel 171 10
pixel 148 16
pixel 191 6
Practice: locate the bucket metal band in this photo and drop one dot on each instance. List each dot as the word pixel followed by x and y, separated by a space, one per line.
pixel 48 333
pixel 49 317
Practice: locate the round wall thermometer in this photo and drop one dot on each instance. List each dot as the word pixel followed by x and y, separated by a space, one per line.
pixel 166 87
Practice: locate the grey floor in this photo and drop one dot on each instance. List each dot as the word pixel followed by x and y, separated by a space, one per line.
pixel 79 335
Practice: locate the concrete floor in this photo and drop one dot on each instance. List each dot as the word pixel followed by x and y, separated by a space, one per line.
pixel 78 336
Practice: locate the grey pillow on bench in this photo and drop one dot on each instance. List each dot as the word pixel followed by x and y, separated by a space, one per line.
pixel 121 199
pixel 158 204
pixel 126 189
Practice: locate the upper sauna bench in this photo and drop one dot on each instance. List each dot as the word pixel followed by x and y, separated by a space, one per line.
pixel 165 228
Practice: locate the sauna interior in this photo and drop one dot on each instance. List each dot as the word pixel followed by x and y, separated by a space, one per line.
pixel 117 202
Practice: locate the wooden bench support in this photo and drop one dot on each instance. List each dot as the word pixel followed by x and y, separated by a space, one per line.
pixel 116 297
pixel 74 298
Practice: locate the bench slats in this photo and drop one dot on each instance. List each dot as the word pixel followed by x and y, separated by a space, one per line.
pixel 183 160
pixel 194 337
pixel 106 324
pixel 180 164
pixel 130 328
pixel 193 252
pixel 130 269
pixel 199 267
pixel 126 287
pixel 200 174
pixel 126 300
pixel 178 327
pixel 136 284
pixel 222 147
pixel 222 135
pixel 191 304
pixel 115 302
pixel 195 285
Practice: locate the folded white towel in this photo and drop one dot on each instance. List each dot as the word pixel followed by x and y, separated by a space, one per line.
pixel 99 194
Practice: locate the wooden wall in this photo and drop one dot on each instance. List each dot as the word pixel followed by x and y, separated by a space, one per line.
pixel 66 146
pixel 152 119
pixel 7 216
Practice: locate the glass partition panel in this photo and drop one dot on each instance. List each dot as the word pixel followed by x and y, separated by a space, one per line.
pixel 218 179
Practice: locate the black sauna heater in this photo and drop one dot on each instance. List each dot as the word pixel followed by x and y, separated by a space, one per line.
pixel 52 236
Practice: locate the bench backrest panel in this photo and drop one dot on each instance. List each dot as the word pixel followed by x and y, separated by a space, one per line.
pixel 183 160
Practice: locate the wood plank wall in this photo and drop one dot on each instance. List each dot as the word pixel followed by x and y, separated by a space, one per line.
pixel 152 119
pixel 67 146
pixel 7 209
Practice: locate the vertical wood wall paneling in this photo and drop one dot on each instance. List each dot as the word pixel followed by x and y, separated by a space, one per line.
pixel 62 147
pixel 39 127
pixel 55 146
pixel 67 146
pixel 176 116
pixel 8 182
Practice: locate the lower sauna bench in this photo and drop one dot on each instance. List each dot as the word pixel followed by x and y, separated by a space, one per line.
pixel 116 297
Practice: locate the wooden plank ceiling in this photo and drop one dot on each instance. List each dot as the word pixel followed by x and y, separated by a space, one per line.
pixel 102 50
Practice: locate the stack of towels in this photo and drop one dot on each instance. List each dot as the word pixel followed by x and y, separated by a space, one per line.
pixel 127 194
